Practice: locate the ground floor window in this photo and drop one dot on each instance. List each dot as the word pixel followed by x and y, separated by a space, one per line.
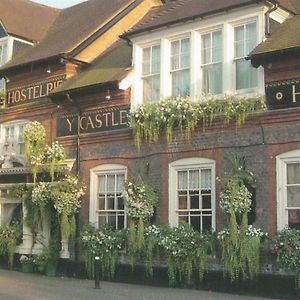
pixel 106 202
pixel 192 193
pixel 288 190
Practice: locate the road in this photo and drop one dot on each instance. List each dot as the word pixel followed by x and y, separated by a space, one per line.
pixel 20 286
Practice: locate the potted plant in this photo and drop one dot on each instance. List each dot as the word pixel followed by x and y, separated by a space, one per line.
pixel 46 262
pixel 27 263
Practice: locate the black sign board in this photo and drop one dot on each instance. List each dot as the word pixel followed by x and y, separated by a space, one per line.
pixel 283 94
pixel 94 121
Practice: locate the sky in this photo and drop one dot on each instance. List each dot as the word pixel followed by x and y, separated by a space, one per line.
pixel 59 3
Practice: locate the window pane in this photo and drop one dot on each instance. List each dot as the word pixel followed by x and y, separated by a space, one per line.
pixel 194 179
pixel 120 202
pixel 206 202
pixel 212 79
pixel 239 41
pixel 206 179
pixel 293 196
pixel 194 200
pixel 246 75
pixel 250 37
pixel 110 183
pixel 175 55
pixel 182 180
pixel 101 180
pixel 155 60
pixel 206 224
pixel 206 48
pixel 182 199
pixel 151 90
pixel 185 53
pixel 101 203
pixel 146 61
pixel 293 173
pixel 120 182
pixel 110 202
pixel 181 83
pixel 111 221
pixel 294 218
pixel 196 222
pixel 121 222
pixel 217 46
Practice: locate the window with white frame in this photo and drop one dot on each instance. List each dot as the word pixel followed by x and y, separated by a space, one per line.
pixel 245 39
pixel 202 57
pixel 151 73
pixel 180 67
pixel 12 140
pixel 211 54
pixel 192 193
pixel 3 52
pixel 107 203
pixel 288 190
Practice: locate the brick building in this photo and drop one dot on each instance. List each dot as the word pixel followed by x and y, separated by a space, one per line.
pixel 82 79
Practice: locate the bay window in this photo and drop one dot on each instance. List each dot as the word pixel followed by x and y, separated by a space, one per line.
pixel 211 54
pixel 192 193
pixel 244 41
pixel 107 203
pixel 151 73
pixel 180 67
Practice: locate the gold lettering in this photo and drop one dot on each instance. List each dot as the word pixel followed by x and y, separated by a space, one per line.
pixel 81 123
pixel 113 120
pixel 23 95
pixel 294 93
pixel 10 98
pixel 30 89
pixel 49 88
pixel 41 92
pixel 106 118
pixel 35 92
pixel 89 123
pixel 70 124
pixel 17 96
pixel 123 117
pixel 98 121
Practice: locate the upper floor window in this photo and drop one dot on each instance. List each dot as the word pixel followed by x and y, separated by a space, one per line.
pixel 151 73
pixel 288 187
pixel 3 52
pixel 107 203
pixel 211 54
pixel 245 39
pixel 12 139
pixel 180 67
pixel 199 60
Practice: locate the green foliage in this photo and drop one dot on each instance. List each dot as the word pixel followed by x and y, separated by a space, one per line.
pixel 286 245
pixel 9 236
pixel 105 243
pixel 151 119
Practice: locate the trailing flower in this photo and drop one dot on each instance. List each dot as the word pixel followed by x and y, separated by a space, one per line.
pixel 105 243
pixel 41 194
pixel 140 200
pixel 34 137
pixel 52 156
pixel 152 119
pixel 8 242
pixel 66 198
pixel 286 245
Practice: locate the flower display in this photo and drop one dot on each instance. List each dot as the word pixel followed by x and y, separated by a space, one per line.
pixel 53 153
pixel 41 194
pixel 151 119
pixel 236 198
pixel 34 132
pixel 140 200
pixel 66 195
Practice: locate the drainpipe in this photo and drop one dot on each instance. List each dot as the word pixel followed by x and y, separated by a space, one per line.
pixel 274 6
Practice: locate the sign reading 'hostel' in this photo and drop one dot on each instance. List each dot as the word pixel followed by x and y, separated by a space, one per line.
pixel 94 121
pixel 20 95
pixel 283 94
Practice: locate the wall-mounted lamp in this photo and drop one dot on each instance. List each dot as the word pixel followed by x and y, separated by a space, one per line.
pixel 69 97
pixel 107 97
pixel 7 80
pixel 48 70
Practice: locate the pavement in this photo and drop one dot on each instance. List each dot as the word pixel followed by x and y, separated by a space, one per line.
pixel 16 285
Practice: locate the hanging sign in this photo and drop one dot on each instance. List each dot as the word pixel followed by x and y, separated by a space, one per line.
pixel 93 121
pixel 283 94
